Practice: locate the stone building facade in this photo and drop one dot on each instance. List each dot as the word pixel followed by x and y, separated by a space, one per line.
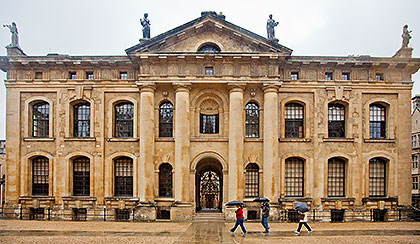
pixel 415 145
pixel 204 114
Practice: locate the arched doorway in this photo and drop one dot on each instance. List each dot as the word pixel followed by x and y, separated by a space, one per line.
pixel 209 185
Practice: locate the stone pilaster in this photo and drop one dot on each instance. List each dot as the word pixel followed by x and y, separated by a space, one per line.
pixel 236 142
pixel 271 145
pixel 182 141
pixel 147 142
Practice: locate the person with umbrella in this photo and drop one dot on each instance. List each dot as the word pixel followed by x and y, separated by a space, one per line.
pixel 265 211
pixel 239 220
pixel 303 210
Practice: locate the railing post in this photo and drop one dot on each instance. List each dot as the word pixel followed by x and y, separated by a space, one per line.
pixel 104 213
pixel 399 214
pixel 49 213
pixel 313 215
pixel 20 212
pixel 133 213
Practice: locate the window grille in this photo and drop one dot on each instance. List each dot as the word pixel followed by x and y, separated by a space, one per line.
pixel 337 215
pixel 209 48
pixel 376 121
pixel 292 216
pixel 163 214
pixel 379 215
pixel 79 214
pixel 81 120
pixel 336 177
pixel 252 179
pixel 252 120
pixel 81 176
pixel 209 124
pixel 166 116
pixel 293 120
pixel 336 120
pixel 123 169
pixel 122 214
pixel 377 173
pixel 36 213
pixel 124 115
pixel 40 179
pixel 294 177
pixel 165 180
pixel 252 214
pixel 415 160
pixel 415 183
pixel 40 119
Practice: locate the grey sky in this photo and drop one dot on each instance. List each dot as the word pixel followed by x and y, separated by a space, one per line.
pixel 309 27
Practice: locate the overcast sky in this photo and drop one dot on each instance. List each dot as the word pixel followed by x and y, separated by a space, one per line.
pixel 309 27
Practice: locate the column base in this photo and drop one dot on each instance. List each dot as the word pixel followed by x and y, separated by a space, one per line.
pixel 182 211
pixel 145 211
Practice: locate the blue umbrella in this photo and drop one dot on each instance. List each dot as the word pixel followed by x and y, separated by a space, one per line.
pixel 234 203
pixel 261 199
pixel 301 207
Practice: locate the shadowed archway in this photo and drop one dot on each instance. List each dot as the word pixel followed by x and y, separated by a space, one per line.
pixel 209 185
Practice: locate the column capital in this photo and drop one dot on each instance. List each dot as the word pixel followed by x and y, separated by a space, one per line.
pixel 236 87
pixel 146 86
pixel 182 86
pixel 271 87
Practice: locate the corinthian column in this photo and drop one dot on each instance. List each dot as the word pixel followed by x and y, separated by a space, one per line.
pixel 147 142
pixel 182 141
pixel 271 147
pixel 236 142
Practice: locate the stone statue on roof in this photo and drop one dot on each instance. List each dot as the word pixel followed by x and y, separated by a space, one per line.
pixel 405 36
pixel 270 28
pixel 15 36
pixel 146 26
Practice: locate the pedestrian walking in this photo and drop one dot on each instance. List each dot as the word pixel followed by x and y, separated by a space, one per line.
pixel 239 220
pixel 265 212
pixel 303 221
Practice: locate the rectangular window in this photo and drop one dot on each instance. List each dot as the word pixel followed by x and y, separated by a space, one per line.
pixel 345 76
pixel 209 71
pixel 38 75
pixel 337 215
pixel 294 175
pixel 328 76
pixel 415 160
pixel 122 214
pixel 293 120
pixel 415 183
pixel 336 120
pixel 413 138
pixel 89 75
pixel 79 214
pixel 209 124
pixel 379 77
pixel 252 179
pixel 72 75
pixel 377 171
pixel 415 141
pixel 81 177
pixel 377 121
pixel 294 76
pixel 379 215
pixel 336 177
pixel 36 213
pixel 40 179
pixel 123 177
pixel 123 75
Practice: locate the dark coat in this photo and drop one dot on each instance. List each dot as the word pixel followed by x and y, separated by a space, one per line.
pixel 265 210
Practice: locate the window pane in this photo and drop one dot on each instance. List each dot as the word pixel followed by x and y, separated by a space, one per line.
pixel 293 120
pixel 40 179
pixel 166 120
pixel 336 121
pixel 377 177
pixel 81 120
pixel 81 176
pixel 252 120
pixel 123 174
pixel 165 180
pixel 40 120
pixel 376 121
pixel 294 177
pixel 336 177
pixel 252 180
pixel 209 124
pixel 124 114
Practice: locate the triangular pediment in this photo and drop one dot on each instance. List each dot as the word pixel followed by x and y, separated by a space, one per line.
pixel 210 28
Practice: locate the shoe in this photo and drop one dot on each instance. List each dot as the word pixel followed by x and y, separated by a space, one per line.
pixel 309 232
pixel 297 232
pixel 243 234
pixel 266 231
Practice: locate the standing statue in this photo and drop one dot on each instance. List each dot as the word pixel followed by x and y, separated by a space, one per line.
pixel 405 36
pixel 270 28
pixel 146 26
pixel 15 38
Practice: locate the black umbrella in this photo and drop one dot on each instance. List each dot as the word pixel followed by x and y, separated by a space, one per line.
pixel 261 199
pixel 301 207
pixel 234 203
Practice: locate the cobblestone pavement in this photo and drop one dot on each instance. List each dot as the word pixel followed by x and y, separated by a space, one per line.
pixel 15 231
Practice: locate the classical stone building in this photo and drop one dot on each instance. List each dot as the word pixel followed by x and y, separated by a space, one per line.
pixel 201 115
pixel 415 145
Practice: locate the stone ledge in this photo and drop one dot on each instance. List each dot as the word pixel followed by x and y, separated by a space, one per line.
pixel 386 199
pixel 164 139
pixel 253 140
pixel 338 139
pixel 122 139
pixel 332 199
pixel 379 140
pixel 38 139
pixel 79 139
pixel 209 139
pixel 295 139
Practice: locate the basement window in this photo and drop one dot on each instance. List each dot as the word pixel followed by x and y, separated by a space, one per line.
pixel 79 214
pixel 36 213
pixel 122 214
pixel 337 215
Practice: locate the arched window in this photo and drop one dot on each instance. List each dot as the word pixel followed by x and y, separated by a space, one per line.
pixel 377 177
pixel 81 176
pixel 40 119
pixel 377 121
pixel 166 116
pixel 336 120
pixel 252 180
pixel 165 180
pixel 252 120
pixel 124 115
pixel 40 176
pixel 123 176
pixel 336 177
pixel 209 48
pixel 81 120
pixel 294 177
pixel 293 120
